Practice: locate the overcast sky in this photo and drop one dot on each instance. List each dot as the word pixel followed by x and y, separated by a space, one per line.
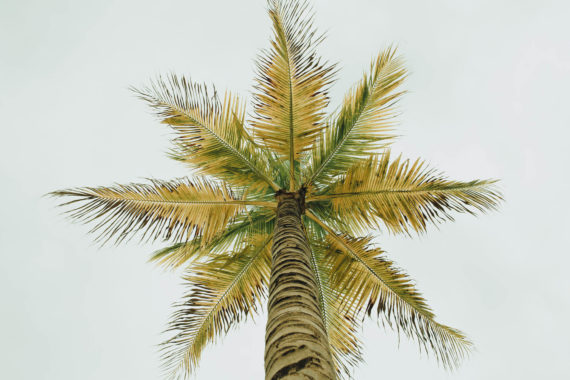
pixel 488 98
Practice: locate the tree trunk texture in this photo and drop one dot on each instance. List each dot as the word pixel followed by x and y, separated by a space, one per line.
pixel 296 344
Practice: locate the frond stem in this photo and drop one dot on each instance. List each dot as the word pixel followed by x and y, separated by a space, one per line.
pixel 358 258
pixel 320 286
pixel 323 197
pixel 223 142
pixel 228 288
pixel 235 280
pixel 230 202
pixel 345 137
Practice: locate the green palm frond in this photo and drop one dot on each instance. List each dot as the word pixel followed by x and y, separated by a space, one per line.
pixel 340 320
pixel 291 84
pixel 211 135
pixel 178 210
pixel 364 123
pixel 367 279
pixel 402 195
pixel 224 290
pixel 324 211
pixel 242 228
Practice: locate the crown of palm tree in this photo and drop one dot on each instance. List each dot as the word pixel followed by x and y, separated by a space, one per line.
pixel 220 222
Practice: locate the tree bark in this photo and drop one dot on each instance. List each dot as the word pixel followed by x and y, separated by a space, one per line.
pixel 296 344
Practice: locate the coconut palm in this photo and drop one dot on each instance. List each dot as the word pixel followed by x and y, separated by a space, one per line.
pixel 283 204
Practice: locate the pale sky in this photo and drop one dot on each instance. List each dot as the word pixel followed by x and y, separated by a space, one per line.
pixel 488 96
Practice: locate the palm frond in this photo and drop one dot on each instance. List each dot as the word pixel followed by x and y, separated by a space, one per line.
pixel 242 228
pixel 340 321
pixel 211 135
pixel 291 84
pixel 364 122
pixel 224 290
pixel 178 210
pixel 403 195
pixel 368 279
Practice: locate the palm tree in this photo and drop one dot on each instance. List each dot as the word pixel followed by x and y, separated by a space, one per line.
pixel 283 205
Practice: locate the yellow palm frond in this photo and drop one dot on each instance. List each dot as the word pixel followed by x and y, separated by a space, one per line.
pixel 242 228
pixel 340 321
pixel 367 279
pixel 224 290
pixel 402 194
pixel 364 122
pixel 178 210
pixel 291 84
pixel 211 135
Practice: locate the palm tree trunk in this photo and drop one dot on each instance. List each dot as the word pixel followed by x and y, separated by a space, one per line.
pixel 296 344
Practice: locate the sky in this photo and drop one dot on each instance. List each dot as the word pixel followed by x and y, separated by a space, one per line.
pixel 487 98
